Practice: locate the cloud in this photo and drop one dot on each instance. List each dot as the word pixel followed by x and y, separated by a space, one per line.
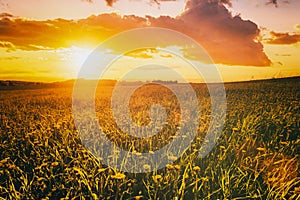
pixel 283 38
pixel 2 15
pixel 276 2
pixel 285 55
pixel 228 39
pixel 10 58
pixel 111 2
pixel 143 53
pixel 8 45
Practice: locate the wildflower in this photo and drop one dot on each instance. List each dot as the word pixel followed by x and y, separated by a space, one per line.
pixel 169 166
pixel 172 158
pixel 177 167
pixel 147 167
pixel 44 164
pixel 54 164
pixel 40 179
pixel 157 178
pixel 118 176
pixel 138 197
pixel 196 168
pixel 173 137
pixel 136 153
pixel 11 166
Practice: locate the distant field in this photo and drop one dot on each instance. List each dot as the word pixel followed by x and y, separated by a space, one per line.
pixel 256 157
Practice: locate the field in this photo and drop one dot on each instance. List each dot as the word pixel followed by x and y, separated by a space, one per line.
pixel 256 156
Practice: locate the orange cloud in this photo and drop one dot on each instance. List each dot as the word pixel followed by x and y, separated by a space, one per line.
pixel 283 38
pixel 37 35
pixel 8 45
pixel 228 39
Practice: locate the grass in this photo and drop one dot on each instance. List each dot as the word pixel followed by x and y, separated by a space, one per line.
pixel 256 157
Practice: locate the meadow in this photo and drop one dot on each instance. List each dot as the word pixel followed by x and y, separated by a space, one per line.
pixel 256 156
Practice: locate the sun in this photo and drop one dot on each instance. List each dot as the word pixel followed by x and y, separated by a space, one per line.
pixel 78 55
pixel 74 57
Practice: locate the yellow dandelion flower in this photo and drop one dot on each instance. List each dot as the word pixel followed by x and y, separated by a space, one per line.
pixel 11 166
pixel 118 176
pixel 151 152
pixel 138 197
pixel 146 167
pixel 177 167
pixel 157 177
pixel 196 168
pixel 169 166
pixel 172 158
pixel 40 179
pixel 205 179
pixel 44 164
pixel 54 164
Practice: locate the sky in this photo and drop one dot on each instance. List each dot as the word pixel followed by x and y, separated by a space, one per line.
pixel 43 40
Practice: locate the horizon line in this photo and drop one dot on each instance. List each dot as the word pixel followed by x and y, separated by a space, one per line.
pixel 148 81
